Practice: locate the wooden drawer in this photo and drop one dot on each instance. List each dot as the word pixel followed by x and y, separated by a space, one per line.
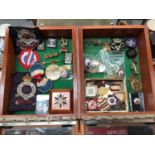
pixel 9 64
pixel 145 63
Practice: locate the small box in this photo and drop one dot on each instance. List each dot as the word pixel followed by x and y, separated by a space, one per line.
pixel 42 104
pixel 136 101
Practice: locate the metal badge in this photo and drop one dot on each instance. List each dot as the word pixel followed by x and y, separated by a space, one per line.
pixel 68 58
pixel 106 46
pixel 26 89
pixel 53 72
pixel 51 42
pixel 117 44
pixel 64 44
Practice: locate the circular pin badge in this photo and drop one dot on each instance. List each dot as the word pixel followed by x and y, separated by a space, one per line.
pixel 136 101
pixel 53 72
pixel 130 42
pixel 91 105
pixel 36 70
pixel 44 85
pixel 27 57
pixel 131 53
pixel 112 100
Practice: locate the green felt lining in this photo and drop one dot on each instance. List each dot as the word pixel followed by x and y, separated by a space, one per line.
pixel 94 50
pixel 58 84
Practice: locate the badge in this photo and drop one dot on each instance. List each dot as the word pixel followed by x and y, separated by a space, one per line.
pixel 64 44
pixel 117 44
pixel 106 46
pixel 112 100
pixel 51 42
pixel 53 72
pixel 91 91
pixel 131 53
pixel 26 89
pixel 27 57
pixel 91 105
pixel 136 101
pixel 131 42
pixel 64 74
pixel 44 85
pixel 68 58
pixel 36 70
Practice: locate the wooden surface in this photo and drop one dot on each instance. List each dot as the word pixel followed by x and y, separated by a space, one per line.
pixel 77 34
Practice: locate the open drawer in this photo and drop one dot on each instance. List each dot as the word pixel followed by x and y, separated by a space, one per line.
pixel 11 65
pixel 93 40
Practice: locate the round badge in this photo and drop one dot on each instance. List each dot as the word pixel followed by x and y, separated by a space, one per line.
pixel 27 57
pixel 136 101
pixel 131 53
pixel 26 89
pixel 112 100
pixel 44 85
pixel 36 70
pixel 131 42
pixel 92 105
pixel 53 72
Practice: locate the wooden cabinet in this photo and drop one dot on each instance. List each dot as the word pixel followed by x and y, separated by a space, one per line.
pixel 77 34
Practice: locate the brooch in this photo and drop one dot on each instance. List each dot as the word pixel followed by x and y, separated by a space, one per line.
pixel 26 89
pixel 53 72
pixel 64 44
pixel 135 83
pixel 131 53
pixel 51 42
pixel 130 42
pixel 36 70
pixel 27 57
pixel 117 44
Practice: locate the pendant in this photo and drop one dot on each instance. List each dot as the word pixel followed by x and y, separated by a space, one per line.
pixel 26 89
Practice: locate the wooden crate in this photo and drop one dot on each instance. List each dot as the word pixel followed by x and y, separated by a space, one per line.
pixel 9 64
pixel 145 60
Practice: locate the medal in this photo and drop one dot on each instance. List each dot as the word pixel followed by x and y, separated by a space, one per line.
pixel 26 89
pixel 27 57
pixel 53 72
